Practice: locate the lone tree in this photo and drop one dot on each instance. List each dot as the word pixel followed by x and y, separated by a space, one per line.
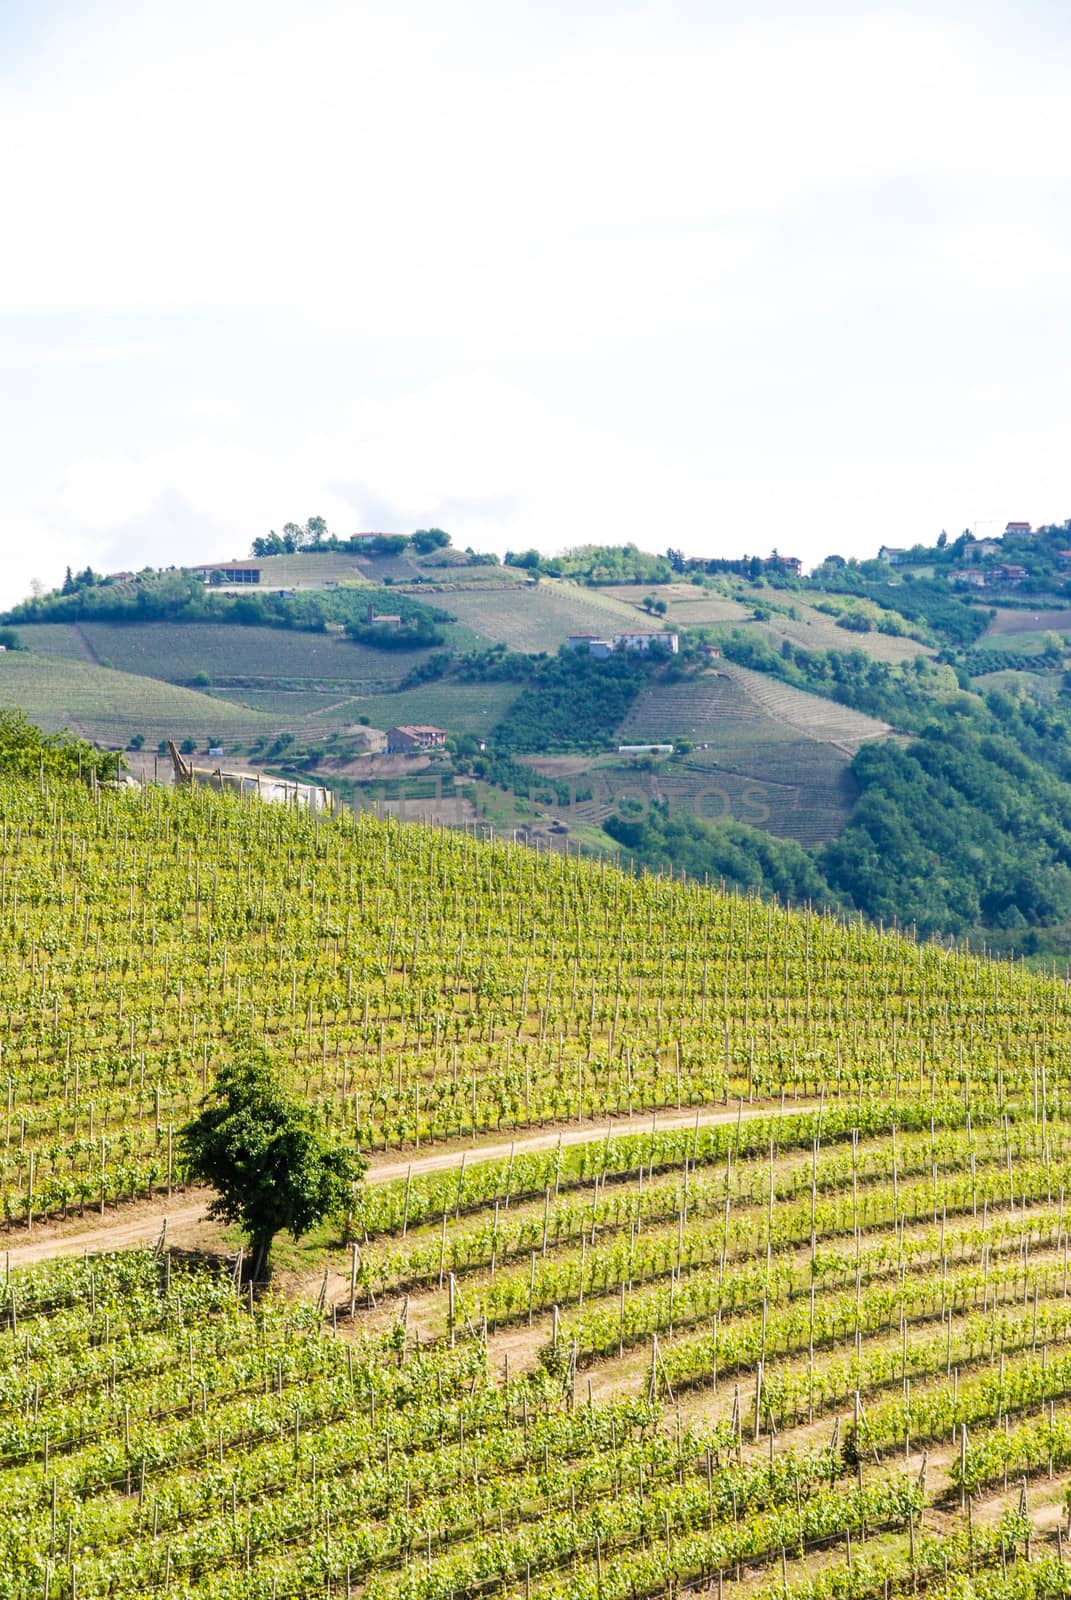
pixel 261 1151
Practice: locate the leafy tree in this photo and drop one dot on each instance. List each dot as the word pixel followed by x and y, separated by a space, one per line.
pixel 428 539
pixel 26 752
pixel 272 1168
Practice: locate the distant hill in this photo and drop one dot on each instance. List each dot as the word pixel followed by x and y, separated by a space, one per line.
pixel 852 714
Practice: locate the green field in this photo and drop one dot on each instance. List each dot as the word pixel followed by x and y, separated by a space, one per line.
pixel 110 707
pixel 540 617
pixel 1025 641
pixel 457 707
pixel 178 651
pixel 704 1246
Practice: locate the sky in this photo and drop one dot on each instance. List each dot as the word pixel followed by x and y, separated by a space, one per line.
pixel 722 276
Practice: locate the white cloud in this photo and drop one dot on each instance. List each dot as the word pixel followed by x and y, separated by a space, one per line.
pixel 718 275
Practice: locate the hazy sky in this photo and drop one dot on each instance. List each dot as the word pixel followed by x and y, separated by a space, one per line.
pixel 722 275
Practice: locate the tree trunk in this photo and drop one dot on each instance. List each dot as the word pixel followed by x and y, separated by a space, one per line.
pixel 259 1265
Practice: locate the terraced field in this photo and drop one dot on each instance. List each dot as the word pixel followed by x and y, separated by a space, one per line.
pixel 728 706
pixel 765 753
pixel 711 1247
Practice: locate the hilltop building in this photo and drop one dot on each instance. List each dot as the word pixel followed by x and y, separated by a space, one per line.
pixel 643 641
pixel 229 571
pixel 413 736
pixel 1006 573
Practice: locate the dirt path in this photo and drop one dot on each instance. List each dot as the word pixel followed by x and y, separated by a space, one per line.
pixel 383 1170
pixel 188 1223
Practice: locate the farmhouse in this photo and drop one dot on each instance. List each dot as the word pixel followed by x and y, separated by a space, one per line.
pixel 1005 572
pixel 647 639
pixel 414 736
pixel 643 640
pixel 1017 530
pixel 892 554
pixel 229 572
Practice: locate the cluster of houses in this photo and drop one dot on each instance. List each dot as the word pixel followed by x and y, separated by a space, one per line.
pixel 996 575
pixel 641 642
pixel 1001 575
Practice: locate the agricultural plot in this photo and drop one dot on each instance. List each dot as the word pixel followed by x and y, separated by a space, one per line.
pixel 457 707
pixel 809 714
pixel 1008 620
pixel 307 572
pixel 259 657
pixel 777 762
pixel 540 617
pixel 61 639
pixel 817 630
pixel 687 605
pixel 731 706
pixel 110 707
pixel 705 1244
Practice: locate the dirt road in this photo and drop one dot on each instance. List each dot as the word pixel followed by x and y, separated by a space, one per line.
pixel 189 1225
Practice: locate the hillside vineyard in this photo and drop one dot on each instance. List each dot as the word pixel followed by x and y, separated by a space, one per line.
pixel 804 1333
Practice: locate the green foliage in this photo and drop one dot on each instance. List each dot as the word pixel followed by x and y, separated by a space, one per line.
pixel 270 1165
pixel 26 752
pixel 573 702
pixel 962 829
pixel 10 639
pixel 416 635
pixel 902 693
pixel 496 664
pixel 427 539
pixel 927 601
pixel 746 858
pixel 180 597
pixel 597 563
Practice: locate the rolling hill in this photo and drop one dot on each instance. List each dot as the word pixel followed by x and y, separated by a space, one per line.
pixel 704 1246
